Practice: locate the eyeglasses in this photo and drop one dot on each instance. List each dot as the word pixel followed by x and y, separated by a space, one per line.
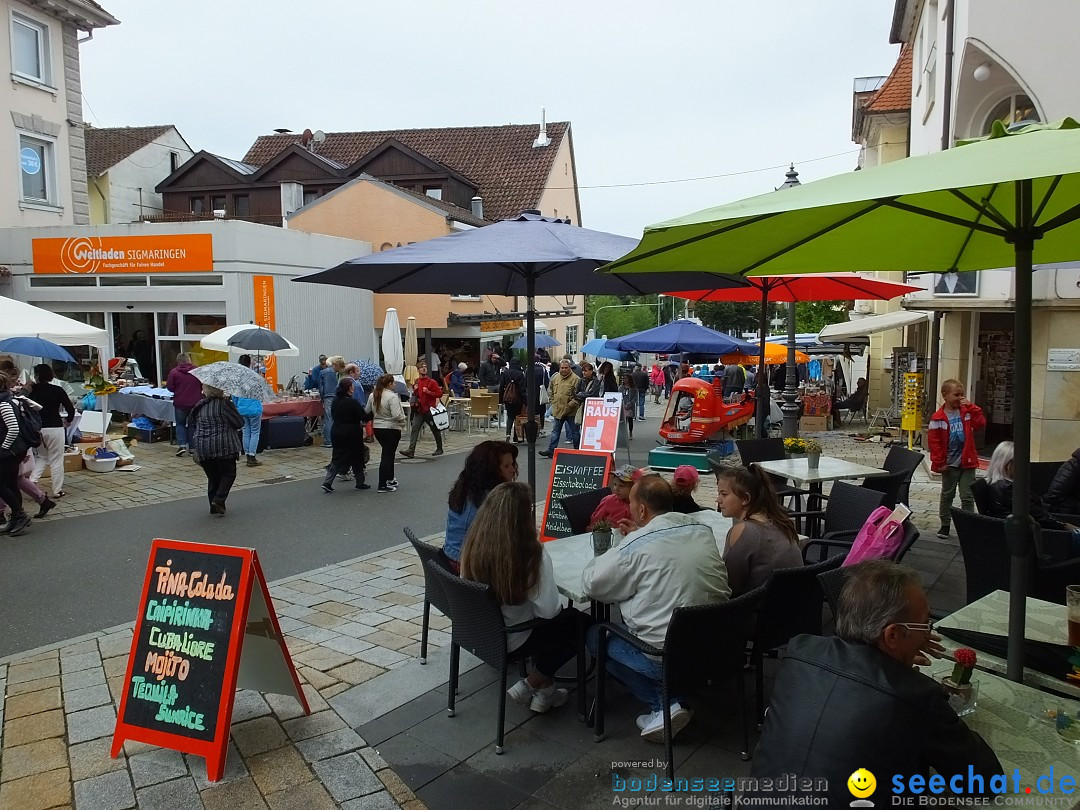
pixel 927 627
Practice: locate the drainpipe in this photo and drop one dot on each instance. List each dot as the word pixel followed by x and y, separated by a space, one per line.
pixel 946 101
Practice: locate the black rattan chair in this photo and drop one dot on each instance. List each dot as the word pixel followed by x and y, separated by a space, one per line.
pixel 832 582
pixel 845 513
pixel 900 458
pixel 980 491
pixel 433 592
pixel 579 508
pixel 705 644
pixel 478 627
pixel 751 450
pixel 790 606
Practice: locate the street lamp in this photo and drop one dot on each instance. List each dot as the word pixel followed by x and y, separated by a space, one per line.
pixel 790 408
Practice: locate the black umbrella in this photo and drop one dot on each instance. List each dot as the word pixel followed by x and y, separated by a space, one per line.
pixel 259 340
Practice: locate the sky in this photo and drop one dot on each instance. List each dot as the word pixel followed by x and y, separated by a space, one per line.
pixel 675 106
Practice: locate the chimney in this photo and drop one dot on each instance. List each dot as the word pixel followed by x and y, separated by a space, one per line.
pixel 542 139
pixel 477 206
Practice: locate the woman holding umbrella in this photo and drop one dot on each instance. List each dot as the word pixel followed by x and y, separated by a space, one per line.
pixel 347 435
pixel 212 430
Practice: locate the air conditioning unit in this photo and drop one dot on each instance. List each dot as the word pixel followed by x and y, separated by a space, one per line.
pixel 864 307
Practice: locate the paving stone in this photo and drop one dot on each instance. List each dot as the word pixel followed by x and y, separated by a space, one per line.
pixel 322 659
pixel 384 655
pixel 356 672
pixel 354 629
pixel 29 671
pixel 37 792
pixel 241 794
pixel 316 635
pixel 87 698
pixel 373 759
pixel 235 768
pixel 32 703
pixel 315 678
pixel 110 791
pixel 92 758
pixel 90 645
pixel 328 691
pixel 179 794
pixel 314 699
pixel 399 627
pixel 94 676
pixel 326 620
pixel 312 725
pixel 156 766
pixel 34 758
pixel 330 745
pixel 258 736
pixel 375 801
pixel 90 724
pixel 33 728
pixel 35 685
pixel 278 770
pixel 395 786
pixel 77 663
pixel 346 645
pixel 372 619
pixel 336 608
pixel 115 644
pixel 247 705
pixel 347 777
pixel 285 707
pixel 309 796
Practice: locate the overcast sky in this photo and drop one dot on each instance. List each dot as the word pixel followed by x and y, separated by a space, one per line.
pixel 655 91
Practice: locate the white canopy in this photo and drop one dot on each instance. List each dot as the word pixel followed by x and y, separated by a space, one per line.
pixel 871 325
pixel 19 319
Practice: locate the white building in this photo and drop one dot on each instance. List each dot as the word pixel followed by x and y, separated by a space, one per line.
pixel 42 133
pixel 157 288
pixel 124 164
pixel 964 64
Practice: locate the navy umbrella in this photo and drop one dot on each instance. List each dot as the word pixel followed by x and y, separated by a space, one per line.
pixel 681 336
pixel 36 347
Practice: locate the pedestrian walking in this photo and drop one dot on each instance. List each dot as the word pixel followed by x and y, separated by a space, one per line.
pixel 252 411
pixel 348 437
pixel 656 381
pixel 563 405
pixel 328 380
pixel 630 397
pixel 512 395
pixel 426 393
pixel 51 398
pixel 187 391
pixel 389 421
pixel 641 382
pixel 26 468
pixel 212 430
pixel 13 448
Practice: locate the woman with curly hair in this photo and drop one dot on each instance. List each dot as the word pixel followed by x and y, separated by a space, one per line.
pixel 503 552
pixel 489 464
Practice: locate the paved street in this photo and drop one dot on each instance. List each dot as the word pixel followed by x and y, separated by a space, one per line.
pixel 349 594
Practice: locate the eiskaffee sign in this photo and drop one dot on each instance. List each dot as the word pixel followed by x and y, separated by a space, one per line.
pixel 159 253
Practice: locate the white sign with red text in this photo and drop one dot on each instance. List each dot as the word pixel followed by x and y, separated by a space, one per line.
pixel 600 424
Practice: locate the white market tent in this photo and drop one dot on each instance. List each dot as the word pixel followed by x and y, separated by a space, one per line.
pixel 838 332
pixel 18 319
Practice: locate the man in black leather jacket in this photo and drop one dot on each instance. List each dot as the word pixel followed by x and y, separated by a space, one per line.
pixel 1063 497
pixel 856 701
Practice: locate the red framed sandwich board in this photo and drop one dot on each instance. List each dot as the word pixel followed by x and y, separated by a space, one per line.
pixel 601 421
pixel 206 627
pixel 572 471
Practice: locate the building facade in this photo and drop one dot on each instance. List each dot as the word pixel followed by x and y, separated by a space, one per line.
pixel 45 172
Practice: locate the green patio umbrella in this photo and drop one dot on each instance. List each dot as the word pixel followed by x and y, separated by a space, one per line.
pixel 985 204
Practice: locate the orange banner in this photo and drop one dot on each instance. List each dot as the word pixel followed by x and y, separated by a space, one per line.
pixel 160 253
pixel 267 318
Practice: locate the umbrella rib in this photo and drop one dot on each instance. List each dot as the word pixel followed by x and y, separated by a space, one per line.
pixel 985 207
pixel 948 218
pixel 691 240
pixel 811 237
pixel 1046 197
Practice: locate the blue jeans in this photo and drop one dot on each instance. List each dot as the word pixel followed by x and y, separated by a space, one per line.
pixel 572 432
pixel 181 415
pixel 252 429
pixel 641 403
pixel 328 421
pixel 637 672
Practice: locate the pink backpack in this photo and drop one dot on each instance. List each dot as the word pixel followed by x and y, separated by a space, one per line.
pixel 879 538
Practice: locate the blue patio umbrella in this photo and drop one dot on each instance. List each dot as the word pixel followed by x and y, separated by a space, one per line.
pixel 540 342
pixel 598 347
pixel 36 347
pixel 681 336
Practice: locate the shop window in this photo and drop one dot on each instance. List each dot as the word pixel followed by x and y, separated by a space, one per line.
pixel 202 280
pixel 168 323
pixel 30 58
pixel 37 166
pixel 241 205
pixel 203 324
pixel 122 281
pixel 63 281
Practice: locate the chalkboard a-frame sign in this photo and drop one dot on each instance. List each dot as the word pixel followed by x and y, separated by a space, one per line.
pixel 572 471
pixel 206 626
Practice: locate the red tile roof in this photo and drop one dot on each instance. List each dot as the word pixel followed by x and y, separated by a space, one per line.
pixel 107 146
pixel 895 94
pixel 511 174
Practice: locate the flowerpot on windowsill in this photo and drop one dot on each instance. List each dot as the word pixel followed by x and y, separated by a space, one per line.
pixel 812 460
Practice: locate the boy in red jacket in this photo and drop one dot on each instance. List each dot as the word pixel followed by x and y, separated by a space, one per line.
pixel 952 449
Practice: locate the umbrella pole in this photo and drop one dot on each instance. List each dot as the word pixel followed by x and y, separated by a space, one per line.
pixel 530 373
pixel 762 378
pixel 1019 528
pixel 791 384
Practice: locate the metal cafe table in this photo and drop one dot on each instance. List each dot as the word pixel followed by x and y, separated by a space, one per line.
pixel 828 469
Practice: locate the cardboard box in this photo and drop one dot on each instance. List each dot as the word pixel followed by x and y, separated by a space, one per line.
pixel 813 424
pixel 161 434
pixel 73 461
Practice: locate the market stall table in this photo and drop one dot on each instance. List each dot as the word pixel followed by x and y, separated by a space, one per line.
pixel 1044 622
pixel 308 408
pixel 140 403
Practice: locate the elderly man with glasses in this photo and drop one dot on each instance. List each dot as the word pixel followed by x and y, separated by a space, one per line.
pixel 857 701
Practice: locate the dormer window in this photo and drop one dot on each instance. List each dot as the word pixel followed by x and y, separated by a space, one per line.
pixel 435 192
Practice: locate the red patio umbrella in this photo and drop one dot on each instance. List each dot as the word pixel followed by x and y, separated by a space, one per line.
pixel 812 287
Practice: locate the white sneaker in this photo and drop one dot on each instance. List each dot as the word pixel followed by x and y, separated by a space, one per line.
pixel 652 725
pixel 521 693
pixel 544 699
pixel 392 482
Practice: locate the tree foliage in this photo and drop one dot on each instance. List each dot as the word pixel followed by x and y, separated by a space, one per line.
pixel 618 318
pixel 813 316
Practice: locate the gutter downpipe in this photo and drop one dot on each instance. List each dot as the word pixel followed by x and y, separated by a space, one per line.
pixel 946 101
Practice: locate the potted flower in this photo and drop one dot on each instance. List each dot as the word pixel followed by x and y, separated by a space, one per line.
pixel 813 453
pixel 959 687
pixel 601 536
pixel 795 446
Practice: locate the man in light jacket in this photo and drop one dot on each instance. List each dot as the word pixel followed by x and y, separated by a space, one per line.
pixel 667 561
pixel 563 405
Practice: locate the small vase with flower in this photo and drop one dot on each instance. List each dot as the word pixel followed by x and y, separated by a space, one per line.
pixel 960 689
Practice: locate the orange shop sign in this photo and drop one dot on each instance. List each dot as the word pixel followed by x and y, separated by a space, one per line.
pixel 160 253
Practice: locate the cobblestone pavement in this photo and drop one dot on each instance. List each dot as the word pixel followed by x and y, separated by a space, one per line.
pixel 353 629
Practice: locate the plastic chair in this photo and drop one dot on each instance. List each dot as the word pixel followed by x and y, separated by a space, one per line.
pixel 579 508
pixel 478 627
pixel 705 644
pixel 433 592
